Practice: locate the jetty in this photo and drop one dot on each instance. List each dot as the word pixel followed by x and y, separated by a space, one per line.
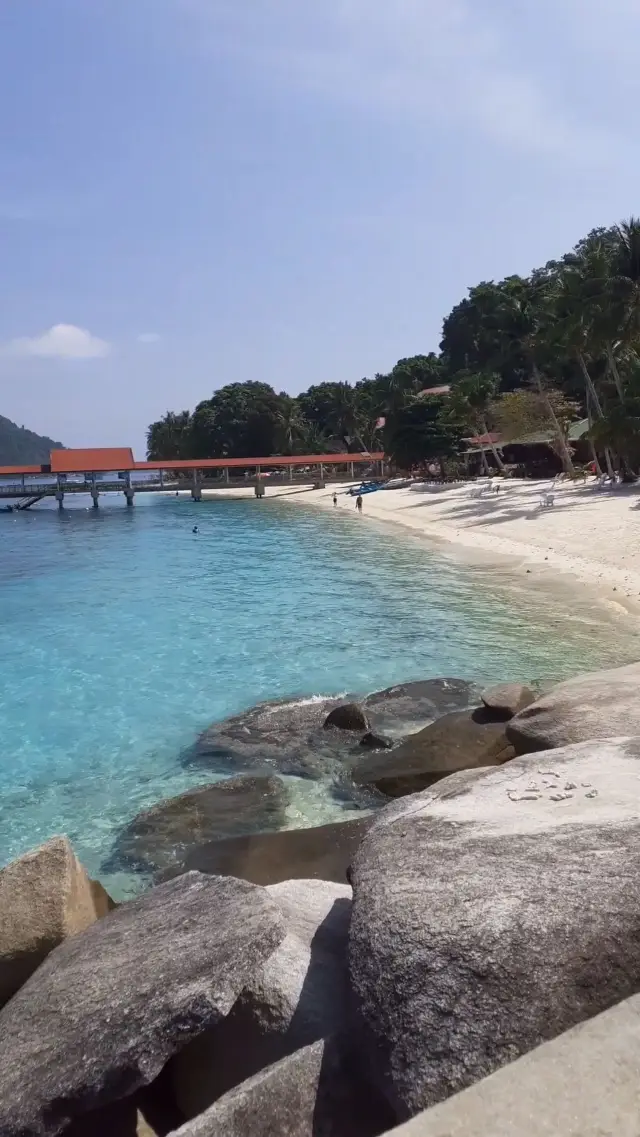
pixel 115 470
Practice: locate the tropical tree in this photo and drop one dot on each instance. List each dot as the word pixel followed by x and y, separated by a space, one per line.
pixel 169 437
pixel 472 395
pixel 424 430
pixel 240 420
pixel 519 414
pixel 333 408
pixel 292 426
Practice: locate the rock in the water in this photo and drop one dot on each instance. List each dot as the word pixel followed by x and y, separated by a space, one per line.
pixel 283 736
pixel 348 716
pixel 315 1092
pixel 492 913
pixel 407 707
pixel 108 1007
pixel 298 997
pixel 163 835
pixel 600 705
pixel 322 853
pixel 504 700
pixel 376 741
pixel 45 896
pixel 458 741
pixel 288 736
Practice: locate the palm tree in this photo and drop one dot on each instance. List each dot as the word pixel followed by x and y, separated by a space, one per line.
pixel 623 307
pixel 292 424
pixel 169 437
pixel 472 395
pixel 523 319
pixel 572 328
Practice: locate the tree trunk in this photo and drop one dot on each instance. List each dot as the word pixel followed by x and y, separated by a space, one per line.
pixel 565 453
pixel 494 450
pixel 485 464
pixel 590 385
pixel 591 390
pixel 594 452
pixel 614 371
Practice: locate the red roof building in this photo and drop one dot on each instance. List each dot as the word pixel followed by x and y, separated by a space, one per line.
pixel 103 460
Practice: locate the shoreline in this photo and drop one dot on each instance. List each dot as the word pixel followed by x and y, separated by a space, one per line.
pixel 589 536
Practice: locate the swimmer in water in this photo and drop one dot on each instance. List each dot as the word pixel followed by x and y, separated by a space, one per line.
pixel 195 529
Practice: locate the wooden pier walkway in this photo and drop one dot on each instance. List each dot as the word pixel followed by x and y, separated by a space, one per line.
pixel 101 471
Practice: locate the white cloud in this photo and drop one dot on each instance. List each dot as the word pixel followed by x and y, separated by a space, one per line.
pixel 148 337
pixel 456 61
pixel 62 341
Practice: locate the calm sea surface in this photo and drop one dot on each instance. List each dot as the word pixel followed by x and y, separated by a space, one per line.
pixel 123 635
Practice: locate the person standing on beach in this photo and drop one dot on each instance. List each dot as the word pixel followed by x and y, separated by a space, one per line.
pixel 359 503
pixel 335 499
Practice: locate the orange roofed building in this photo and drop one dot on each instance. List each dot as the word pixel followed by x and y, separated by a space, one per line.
pixel 103 460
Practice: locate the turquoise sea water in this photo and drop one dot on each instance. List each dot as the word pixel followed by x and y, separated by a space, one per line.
pixel 123 634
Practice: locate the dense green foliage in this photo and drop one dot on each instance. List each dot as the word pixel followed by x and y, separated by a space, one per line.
pixel 19 446
pixel 520 355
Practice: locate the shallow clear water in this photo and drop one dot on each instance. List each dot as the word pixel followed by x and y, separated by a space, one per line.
pixel 123 634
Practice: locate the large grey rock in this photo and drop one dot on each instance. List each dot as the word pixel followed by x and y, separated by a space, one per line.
pixel 313 1093
pixel 323 852
pixel 407 707
pixel 164 834
pixel 600 705
pixel 506 699
pixel 348 716
pixel 45 896
pixel 284 736
pixel 297 997
pixel 287 736
pixel 492 913
pixel 458 741
pixel 109 1006
pixel 583 1084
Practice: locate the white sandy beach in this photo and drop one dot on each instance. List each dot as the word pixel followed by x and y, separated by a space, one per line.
pixel 590 533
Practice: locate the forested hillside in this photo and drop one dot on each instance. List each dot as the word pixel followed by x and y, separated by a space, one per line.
pixel 520 355
pixel 19 445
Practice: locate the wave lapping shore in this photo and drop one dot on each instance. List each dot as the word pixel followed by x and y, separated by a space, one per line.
pixel 591 533
pixel 375 969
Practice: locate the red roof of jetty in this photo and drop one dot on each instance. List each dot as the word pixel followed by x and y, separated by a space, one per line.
pixel 12 471
pixel 247 463
pixel 102 460
pixel 115 459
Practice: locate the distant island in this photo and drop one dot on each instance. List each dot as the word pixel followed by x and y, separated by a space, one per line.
pixel 19 445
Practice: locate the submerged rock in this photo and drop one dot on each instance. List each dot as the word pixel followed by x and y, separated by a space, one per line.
pixel 297 997
pixel 600 705
pixel 323 852
pixel 315 1092
pixel 373 741
pixel 348 716
pixel 163 835
pixel 288 736
pixel 284 736
pixel 458 741
pixel 108 1007
pixel 405 708
pixel 45 896
pixel 504 700
pixel 492 913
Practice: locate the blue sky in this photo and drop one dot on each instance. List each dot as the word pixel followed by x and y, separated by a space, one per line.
pixel 194 192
